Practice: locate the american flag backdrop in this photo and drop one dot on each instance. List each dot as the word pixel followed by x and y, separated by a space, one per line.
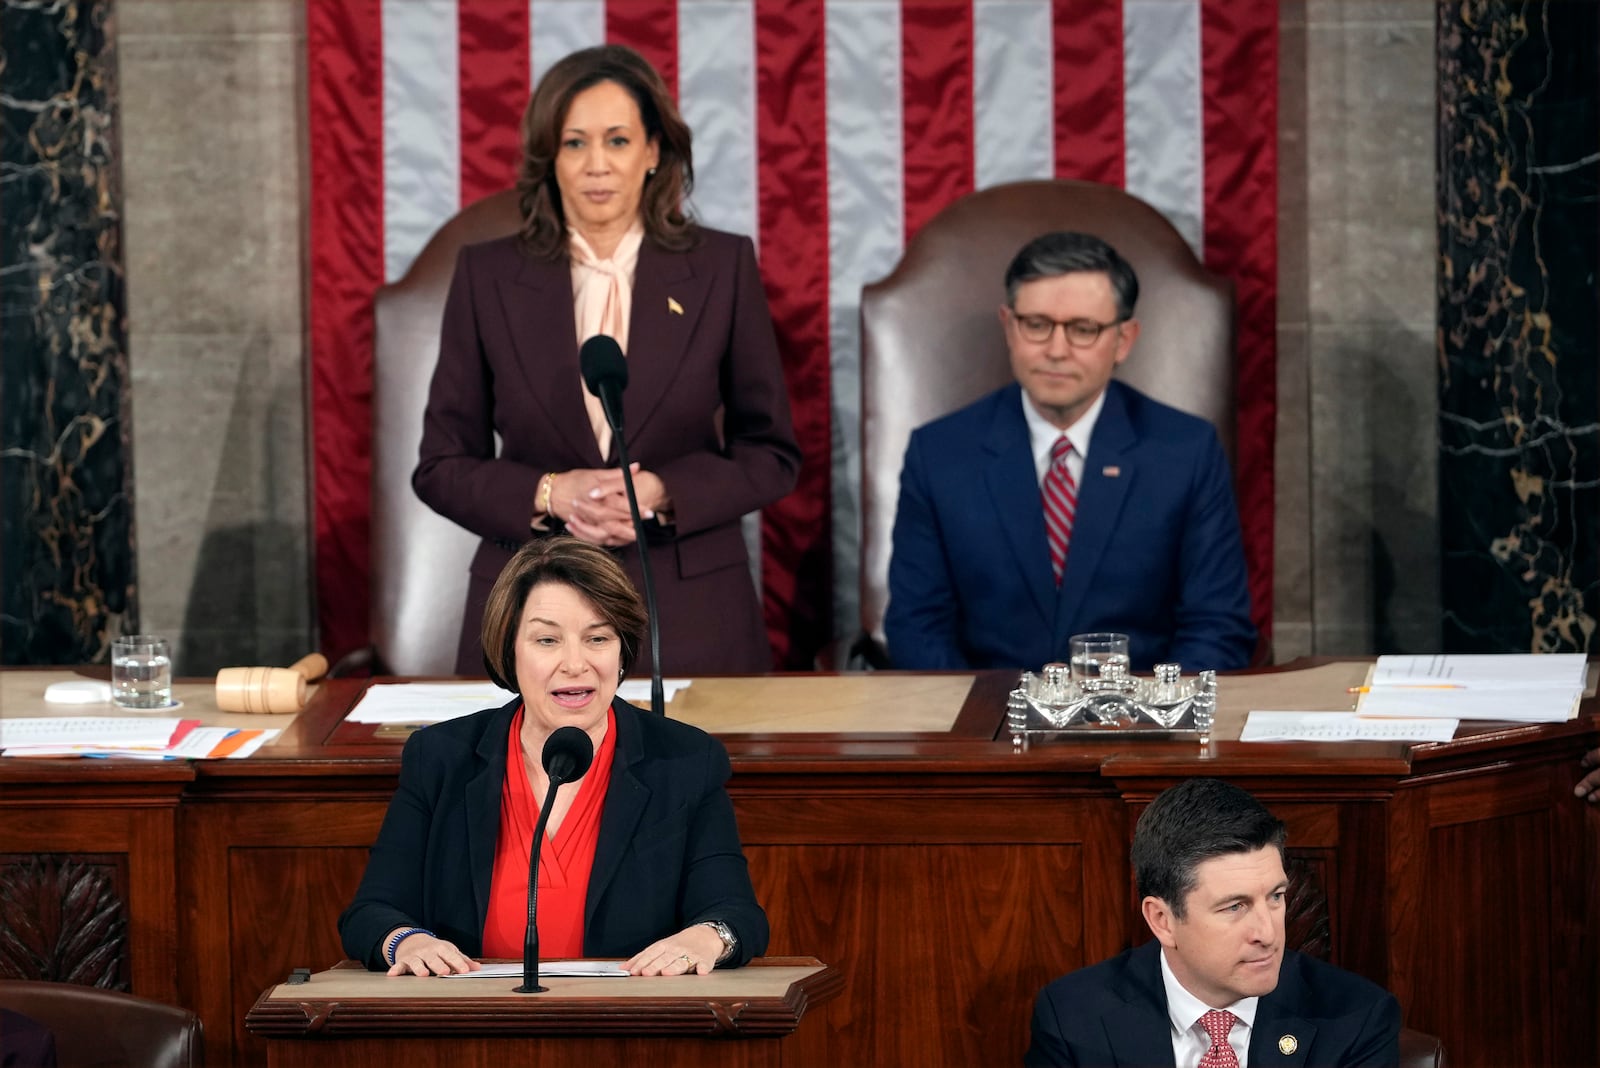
pixel 828 131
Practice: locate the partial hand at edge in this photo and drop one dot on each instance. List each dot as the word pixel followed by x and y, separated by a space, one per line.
pixel 1589 785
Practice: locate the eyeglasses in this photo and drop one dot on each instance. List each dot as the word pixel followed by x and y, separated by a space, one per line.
pixel 1080 333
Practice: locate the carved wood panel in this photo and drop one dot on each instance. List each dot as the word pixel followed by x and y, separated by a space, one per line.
pixel 949 940
pixel 1307 926
pixel 64 918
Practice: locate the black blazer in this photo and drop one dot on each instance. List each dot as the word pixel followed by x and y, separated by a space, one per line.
pixel 668 854
pixel 1115 1014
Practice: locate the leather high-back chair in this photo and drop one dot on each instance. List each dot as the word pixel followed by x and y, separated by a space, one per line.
pixel 419 558
pixel 1418 1050
pixel 931 339
pixel 103 1027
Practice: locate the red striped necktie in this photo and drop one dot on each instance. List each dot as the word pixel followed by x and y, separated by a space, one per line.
pixel 1060 495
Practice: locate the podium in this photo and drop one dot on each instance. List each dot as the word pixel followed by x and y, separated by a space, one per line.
pixel 350 1017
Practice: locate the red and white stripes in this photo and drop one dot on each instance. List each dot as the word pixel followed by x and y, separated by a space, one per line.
pixel 829 132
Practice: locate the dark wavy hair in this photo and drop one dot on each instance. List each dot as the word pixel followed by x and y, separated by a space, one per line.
pixel 1191 823
pixel 566 561
pixel 544 228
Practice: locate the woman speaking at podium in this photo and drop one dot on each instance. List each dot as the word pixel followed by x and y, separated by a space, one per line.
pixel 606 249
pixel 641 857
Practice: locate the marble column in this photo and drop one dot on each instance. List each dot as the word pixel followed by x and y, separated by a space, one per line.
pixel 1519 323
pixel 66 541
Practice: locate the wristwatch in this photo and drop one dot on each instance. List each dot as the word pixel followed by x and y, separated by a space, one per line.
pixel 730 941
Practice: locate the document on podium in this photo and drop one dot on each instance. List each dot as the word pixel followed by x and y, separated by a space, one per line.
pixel 1525 688
pixel 1342 727
pixel 1484 671
pixel 561 969
pixel 436 702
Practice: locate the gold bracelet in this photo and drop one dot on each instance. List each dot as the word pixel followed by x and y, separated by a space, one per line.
pixel 547 486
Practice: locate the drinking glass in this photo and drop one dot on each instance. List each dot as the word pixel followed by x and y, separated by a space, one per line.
pixel 1091 653
pixel 141 671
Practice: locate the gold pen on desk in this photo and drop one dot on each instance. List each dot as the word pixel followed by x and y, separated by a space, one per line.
pixel 1374 689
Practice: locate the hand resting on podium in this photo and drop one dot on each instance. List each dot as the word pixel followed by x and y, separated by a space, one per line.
pixel 640 857
pixel 421 953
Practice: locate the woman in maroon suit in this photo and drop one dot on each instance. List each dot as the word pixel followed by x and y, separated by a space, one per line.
pixel 605 248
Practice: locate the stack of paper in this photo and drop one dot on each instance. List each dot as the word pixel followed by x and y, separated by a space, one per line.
pixel 435 702
pixel 140 738
pixel 1524 688
pixel 1343 727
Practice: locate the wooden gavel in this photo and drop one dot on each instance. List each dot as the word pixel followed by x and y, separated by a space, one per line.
pixel 269 689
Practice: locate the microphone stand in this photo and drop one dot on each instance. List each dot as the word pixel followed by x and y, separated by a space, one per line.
pixel 658 702
pixel 530 940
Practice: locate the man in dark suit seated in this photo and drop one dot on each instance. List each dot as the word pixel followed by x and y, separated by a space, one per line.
pixel 1067 503
pixel 1216 989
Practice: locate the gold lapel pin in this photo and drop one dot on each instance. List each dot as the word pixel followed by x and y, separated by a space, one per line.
pixel 1111 471
pixel 674 307
pixel 1287 1045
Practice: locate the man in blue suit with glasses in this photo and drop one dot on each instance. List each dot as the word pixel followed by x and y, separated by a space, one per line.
pixel 1066 502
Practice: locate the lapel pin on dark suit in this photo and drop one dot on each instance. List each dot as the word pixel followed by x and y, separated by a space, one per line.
pixel 1111 471
pixel 674 307
pixel 1287 1045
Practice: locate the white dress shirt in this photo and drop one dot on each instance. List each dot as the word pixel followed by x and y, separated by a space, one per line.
pixel 1042 434
pixel 1189 1039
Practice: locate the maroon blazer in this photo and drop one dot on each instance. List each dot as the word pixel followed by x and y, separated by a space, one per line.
pixel 706 409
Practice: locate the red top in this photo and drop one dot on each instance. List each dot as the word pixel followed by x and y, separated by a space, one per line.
pixel 564 862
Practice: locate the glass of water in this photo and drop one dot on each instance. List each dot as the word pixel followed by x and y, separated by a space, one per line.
pixel 1092 653
pixel 141 671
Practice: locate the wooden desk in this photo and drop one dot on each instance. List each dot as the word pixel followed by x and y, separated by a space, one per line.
pixel 945 875
pixel 347 1017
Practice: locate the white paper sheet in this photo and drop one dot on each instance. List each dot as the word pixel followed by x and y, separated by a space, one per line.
pixel 1342 727
pixel 1483 671
pixel 436 702
pixel 637 691
pixel 587 969
pixel 1533 705
pixel 116 732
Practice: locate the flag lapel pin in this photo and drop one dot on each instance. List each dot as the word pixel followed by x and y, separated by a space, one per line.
pixel 1111 471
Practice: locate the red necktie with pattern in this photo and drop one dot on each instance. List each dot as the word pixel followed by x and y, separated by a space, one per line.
pixel 1217 1024
pixel 1060 494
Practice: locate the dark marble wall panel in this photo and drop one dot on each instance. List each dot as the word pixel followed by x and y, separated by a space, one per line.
pixel 1519 323
pixel 66 539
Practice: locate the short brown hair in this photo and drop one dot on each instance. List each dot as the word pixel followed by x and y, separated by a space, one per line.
pixel 565 560
pixel 544 228
pixel 1191 823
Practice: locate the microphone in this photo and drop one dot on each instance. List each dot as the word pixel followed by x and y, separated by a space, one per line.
pixel 568 752
pixel 605 374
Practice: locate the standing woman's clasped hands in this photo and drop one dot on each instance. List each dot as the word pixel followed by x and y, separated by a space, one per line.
pixel 593 503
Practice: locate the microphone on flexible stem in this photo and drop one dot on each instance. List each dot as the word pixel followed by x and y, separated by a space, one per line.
pixel 568 752
pixel 605 373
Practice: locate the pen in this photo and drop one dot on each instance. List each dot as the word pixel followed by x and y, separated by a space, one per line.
pixel 1375 689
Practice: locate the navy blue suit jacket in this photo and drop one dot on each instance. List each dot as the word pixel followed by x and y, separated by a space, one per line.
pixel 1114 1014
pixel 1155 551
pixel 668 854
